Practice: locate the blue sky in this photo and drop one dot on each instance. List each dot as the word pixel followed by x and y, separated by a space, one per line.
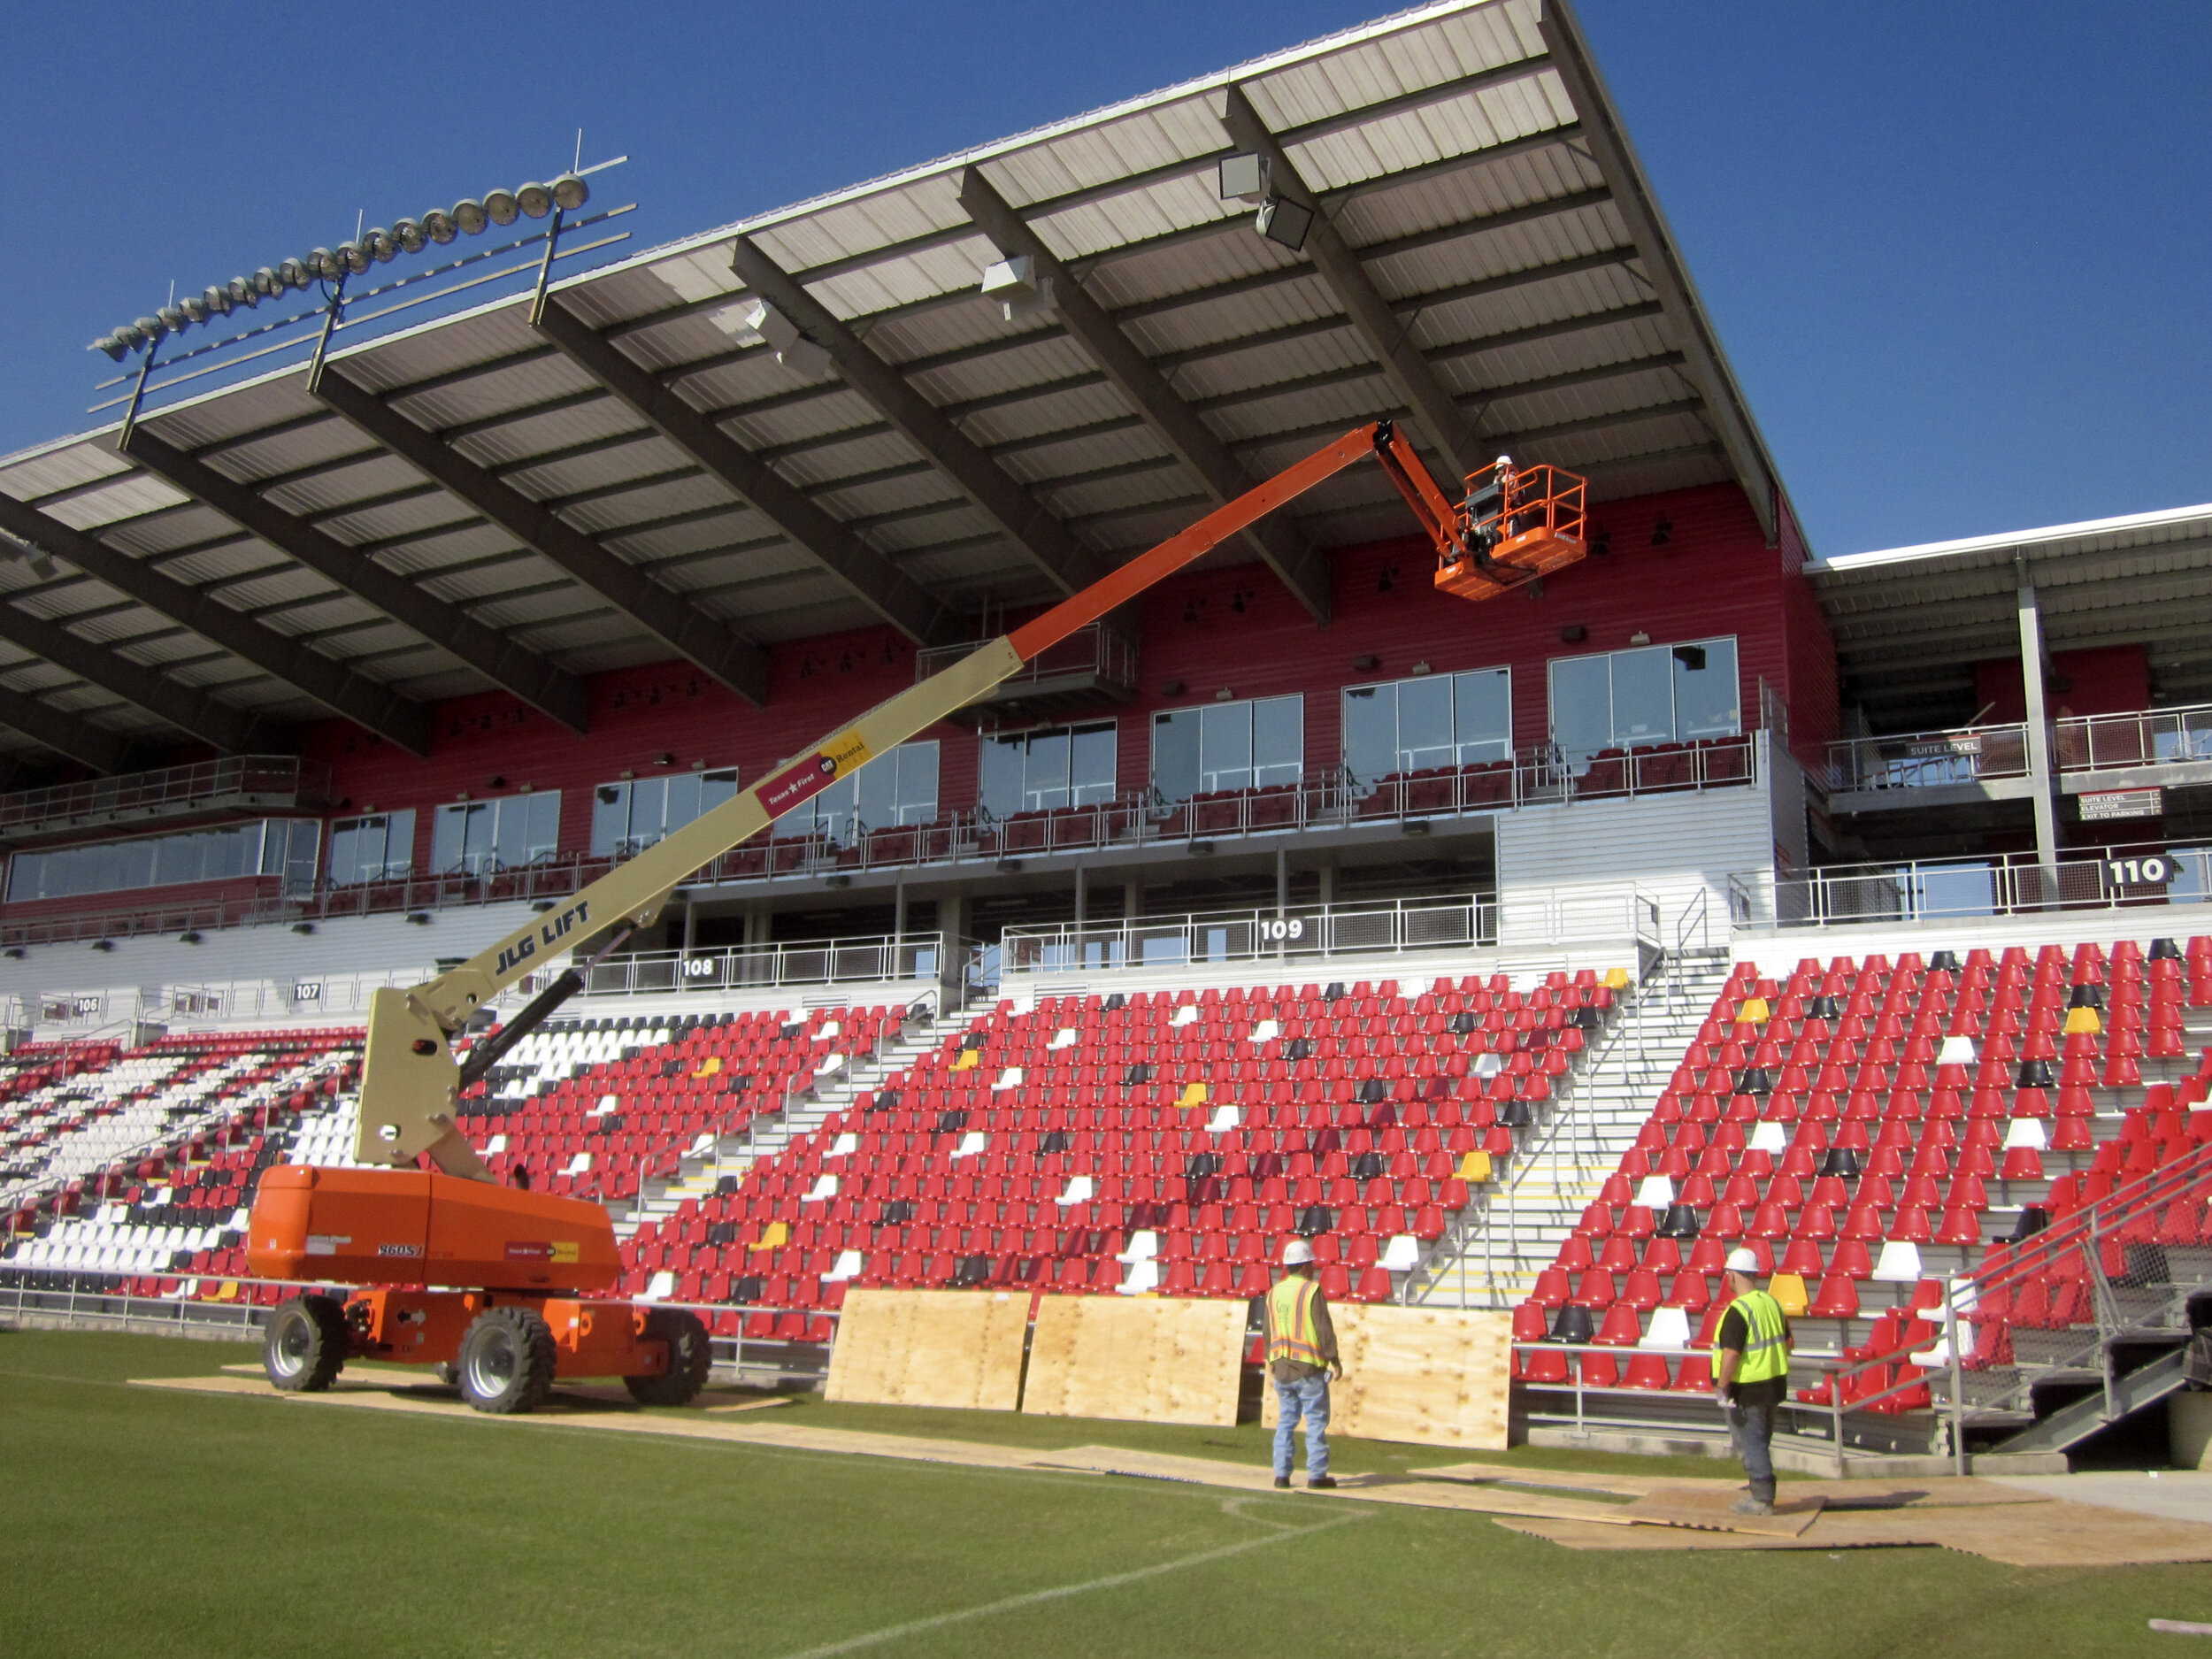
pixel 1959 255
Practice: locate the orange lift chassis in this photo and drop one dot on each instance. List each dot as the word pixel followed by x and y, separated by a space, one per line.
pixel 494 1284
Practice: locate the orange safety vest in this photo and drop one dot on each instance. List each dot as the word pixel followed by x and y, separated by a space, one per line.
pixel 1292 1333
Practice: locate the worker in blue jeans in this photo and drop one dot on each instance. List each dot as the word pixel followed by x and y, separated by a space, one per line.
pixel 1301 1358
pixel 1751 1374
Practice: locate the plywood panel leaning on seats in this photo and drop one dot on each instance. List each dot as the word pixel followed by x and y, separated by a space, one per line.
pixel 1424 1376
pixel 930 1348
pixel 1144 1360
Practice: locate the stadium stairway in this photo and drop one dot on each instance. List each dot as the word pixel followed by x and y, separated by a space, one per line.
pixel 1153 1141
pixel 723 1159
pixel 1492 1257
pixel 1874 1130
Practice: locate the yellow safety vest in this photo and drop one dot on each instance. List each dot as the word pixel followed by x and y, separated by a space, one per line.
pixel 1292 1333
pixel 1766 1351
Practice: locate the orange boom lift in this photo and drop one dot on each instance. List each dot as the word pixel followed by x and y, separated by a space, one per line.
pixel 494 1283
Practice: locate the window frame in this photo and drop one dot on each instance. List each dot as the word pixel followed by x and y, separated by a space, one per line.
pixel 1209 780
pixel 1460 743
pixel 1094 792
pixel 488 862
pixel 1671 653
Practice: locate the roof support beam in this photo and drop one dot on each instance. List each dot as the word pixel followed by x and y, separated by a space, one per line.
pixel 1707 370
pixel 65 732
pixel 1020 515
pixel 668 616
pixel 866 573
pixel 1304 572
pixel 192 709
pixel 375 708
pixel 530 676
pixel 1387 340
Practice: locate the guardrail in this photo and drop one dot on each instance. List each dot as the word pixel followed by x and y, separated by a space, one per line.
pixel 893 957
pixel 1324 801
pixel 2150 737
pixel 169 792
pixel 1095 648
pixel 2002 884
pixel 1921 760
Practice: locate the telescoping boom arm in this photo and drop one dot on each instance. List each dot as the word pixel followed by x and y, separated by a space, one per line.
pixel 411 1081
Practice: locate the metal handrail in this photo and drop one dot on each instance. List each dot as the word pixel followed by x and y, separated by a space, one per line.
pixel 63 806
pixel 2001 884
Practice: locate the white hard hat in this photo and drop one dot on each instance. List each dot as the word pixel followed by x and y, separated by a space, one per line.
pixel 1743 1260
pixel 1297 1253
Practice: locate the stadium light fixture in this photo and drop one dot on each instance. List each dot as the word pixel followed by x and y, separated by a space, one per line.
pixel 1283 222
pixel 379 246
pixel 790 344
pixel 1243 178
pixel 1014 283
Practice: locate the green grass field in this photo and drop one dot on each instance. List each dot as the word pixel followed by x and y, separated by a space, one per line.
pixel 141 1521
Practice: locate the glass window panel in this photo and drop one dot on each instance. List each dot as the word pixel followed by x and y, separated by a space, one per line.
pixel 1643 697
pixel 1225 747
pixel 1045 772
pixel 876 788
pixel 1705 689
pixel 1483 715
pixel 399 843
pixel 649 812
pixel 1581 706
pixel 26 872
pixel 1424 724
pixel 609 819
pixel 1278 740
pixel 175 858
pixel 715 789
pixel 447 833
pixel 545 824
pixel 1175 754
pixel 1091 766
pixel 683 802
pixel 917 782
pixel 1000 787
pixel 1371 731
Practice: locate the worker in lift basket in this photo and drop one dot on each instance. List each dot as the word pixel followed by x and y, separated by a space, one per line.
pixel 1751 1374
pixel 1301 1358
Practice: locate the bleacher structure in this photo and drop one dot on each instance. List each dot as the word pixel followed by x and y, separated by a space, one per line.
pixel 2012 1139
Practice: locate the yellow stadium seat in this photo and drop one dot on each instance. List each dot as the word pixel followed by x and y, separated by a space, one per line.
pixel 1789 1290
pixel 2079 1020
pixel 1475 1166
pixel 773 1237
pixel 1193 1094
pixel 970 1058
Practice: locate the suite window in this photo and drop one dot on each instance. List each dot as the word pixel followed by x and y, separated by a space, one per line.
pixel 476 838
pixel 1655 693
pixel 1427 722
pixel 378 847
pixel 267 846
pixel 897 787
pixel 1051 766
pixel 629 816
pixel 1253 744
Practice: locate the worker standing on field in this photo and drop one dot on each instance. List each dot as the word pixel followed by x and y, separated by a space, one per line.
pixel 1751 1374
pixel 1301 1359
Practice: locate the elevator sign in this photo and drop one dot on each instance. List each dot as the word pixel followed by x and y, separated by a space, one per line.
pixel 2116 803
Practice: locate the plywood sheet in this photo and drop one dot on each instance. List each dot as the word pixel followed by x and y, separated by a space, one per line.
pixel 1424 1376
pixel 930 1348
pixel 1715 1511
pixel 1141 1359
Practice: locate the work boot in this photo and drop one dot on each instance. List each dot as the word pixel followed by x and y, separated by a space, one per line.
pixel 1282 1483
pixel 1321 1483
pixel 1751 1506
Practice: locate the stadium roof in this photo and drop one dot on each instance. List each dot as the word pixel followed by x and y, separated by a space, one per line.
pixel 484 501
pixel 1910 622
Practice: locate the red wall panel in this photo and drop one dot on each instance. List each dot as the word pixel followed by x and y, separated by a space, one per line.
pixel 1234 627
pixel 2112 679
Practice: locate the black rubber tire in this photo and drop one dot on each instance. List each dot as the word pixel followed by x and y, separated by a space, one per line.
pixel 689 1354
pixel 304 1347
pixel 506 1360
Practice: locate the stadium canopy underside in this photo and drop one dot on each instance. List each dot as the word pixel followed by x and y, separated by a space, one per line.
pixel 489 501
pixel 1910 622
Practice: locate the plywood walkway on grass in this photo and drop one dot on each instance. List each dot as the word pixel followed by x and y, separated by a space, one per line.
pixel 1575 1509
